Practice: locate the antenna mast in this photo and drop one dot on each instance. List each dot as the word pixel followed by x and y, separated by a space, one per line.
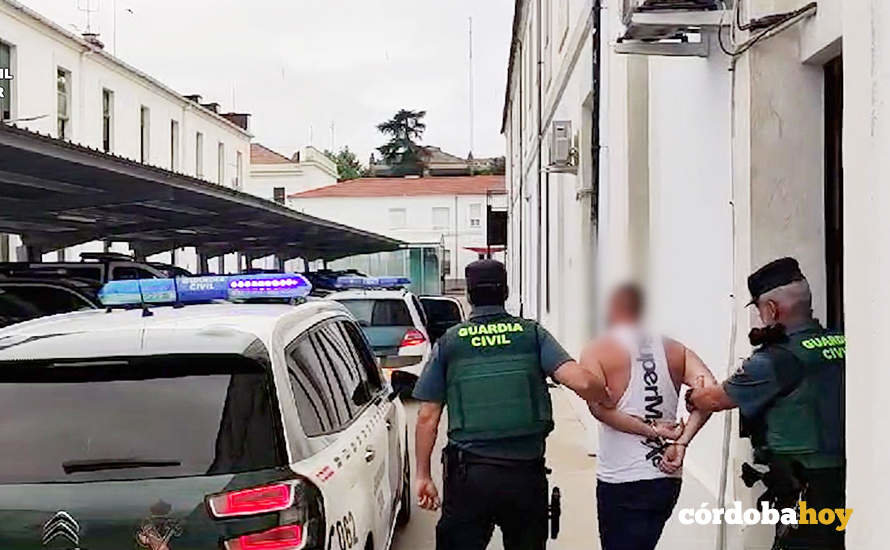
pixel 86 6
pixel 472 103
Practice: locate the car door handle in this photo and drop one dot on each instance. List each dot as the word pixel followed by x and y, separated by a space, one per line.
pixel 370 454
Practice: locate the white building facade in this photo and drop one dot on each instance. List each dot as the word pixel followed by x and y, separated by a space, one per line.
pixel 72 89
pixel 693 168
pixel 451 211
pixel 275 177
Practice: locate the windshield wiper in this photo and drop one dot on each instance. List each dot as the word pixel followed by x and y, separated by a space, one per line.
pixel 98 465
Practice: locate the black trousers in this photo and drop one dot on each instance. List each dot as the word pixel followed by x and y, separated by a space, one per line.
pixel 825 489
pixel 481 493
pixel 632 515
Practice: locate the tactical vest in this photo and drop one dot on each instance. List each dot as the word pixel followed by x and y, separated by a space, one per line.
pixel 496 388
pixel 806 424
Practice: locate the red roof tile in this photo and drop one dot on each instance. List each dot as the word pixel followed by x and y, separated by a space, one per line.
pixel 260 154
pixel 408 187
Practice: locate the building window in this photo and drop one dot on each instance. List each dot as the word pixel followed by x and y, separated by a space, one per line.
pixel 239 170
pixel 221 163
pixel 107 120
pixel 63 94
pixel 5 84
pixel 174 145
pixel 278 195
pixel 199 155
pixel 441 218
pixel 398 218
pixel 476 215
pixel 144 133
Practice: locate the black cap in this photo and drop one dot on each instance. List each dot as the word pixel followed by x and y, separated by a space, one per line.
pixel 778 273
pixel 486 273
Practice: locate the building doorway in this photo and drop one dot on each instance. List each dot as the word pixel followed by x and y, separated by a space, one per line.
pixel 834 191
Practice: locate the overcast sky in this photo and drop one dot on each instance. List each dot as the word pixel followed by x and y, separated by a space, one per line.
pixel 300 65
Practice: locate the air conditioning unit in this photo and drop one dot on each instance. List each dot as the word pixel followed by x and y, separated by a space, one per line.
pixel 671 27
pixel 563 155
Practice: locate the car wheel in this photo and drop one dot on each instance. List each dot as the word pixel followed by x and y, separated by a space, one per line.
pixel 405 509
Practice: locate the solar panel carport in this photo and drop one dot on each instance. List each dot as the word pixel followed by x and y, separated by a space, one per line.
pixel 57 194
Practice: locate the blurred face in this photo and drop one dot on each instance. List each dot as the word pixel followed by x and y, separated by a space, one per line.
pixel 621 310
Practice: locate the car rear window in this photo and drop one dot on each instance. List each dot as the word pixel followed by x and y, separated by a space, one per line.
pixel 139 418
pixel 380 313
pixel 441 310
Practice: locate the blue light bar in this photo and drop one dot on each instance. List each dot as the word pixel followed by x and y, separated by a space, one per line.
pixel 392 282
pixel 138 291
pixel 186 290
pixel 353 282
pixel 280 285
pixel 350 281
pixel 202 289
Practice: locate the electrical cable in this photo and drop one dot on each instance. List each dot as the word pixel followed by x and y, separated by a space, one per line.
pixel 783 22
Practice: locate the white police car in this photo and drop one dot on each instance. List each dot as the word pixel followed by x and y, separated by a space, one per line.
pixel 234 426
pixel 392 318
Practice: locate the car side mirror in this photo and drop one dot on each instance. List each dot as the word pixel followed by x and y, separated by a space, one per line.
pixel 402 383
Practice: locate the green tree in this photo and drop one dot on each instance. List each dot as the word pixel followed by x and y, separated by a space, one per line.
pixel 348 165
pixel 402 152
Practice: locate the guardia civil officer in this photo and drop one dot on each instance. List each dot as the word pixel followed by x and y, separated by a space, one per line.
pixel 790 394
pixel 491 372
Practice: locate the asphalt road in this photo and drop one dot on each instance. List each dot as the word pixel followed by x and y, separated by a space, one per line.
pixel 420 533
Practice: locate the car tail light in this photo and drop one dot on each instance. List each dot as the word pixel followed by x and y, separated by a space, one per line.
pixel 412 338
pixel 259 500
pixel 289 537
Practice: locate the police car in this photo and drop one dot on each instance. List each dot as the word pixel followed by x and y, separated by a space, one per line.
pixel 392 318
pixel 219 425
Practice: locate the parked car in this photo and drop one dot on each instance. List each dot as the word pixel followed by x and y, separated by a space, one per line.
pixel 171 271
pixel 96 266
pixel 211 426
pixel 395 324
pixel 442 312
pixel 23 299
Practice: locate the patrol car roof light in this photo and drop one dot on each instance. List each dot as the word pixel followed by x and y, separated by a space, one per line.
pixel 278 285
pixel 189 290
pixel 355 282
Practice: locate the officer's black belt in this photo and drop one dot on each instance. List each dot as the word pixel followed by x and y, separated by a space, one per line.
pixel 462 457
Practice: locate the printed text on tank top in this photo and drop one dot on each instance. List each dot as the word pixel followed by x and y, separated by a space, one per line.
pixel 653 397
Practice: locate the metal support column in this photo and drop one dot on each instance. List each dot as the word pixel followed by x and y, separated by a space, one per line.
pixel 203 261
pixel 33 253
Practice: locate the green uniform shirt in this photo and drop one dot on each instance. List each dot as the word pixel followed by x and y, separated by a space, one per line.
pixel 432 386
pixel 761 380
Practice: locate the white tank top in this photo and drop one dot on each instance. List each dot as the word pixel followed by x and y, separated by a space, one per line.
pixel 650 394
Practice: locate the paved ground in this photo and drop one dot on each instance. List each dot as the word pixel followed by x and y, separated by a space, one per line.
pixel 574 474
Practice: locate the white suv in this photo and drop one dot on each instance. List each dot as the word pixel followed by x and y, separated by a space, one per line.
pixel 395 323
pixel 212 426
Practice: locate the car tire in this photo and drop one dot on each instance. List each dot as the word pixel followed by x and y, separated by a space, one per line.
pixel 405 509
